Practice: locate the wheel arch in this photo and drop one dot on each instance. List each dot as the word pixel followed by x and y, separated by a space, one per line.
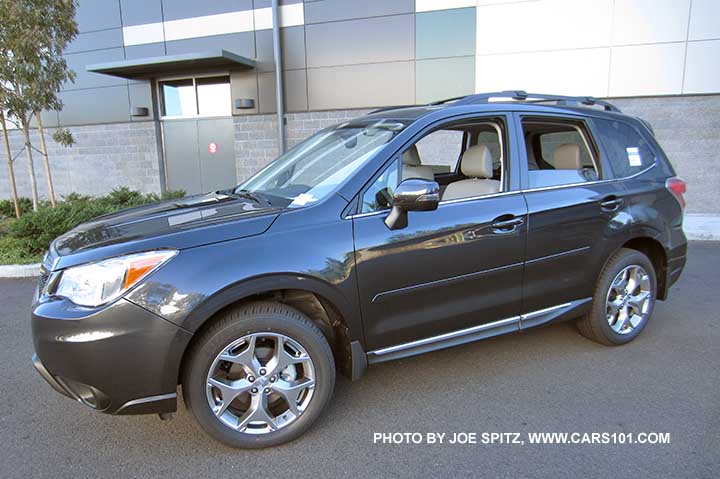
pixel 648 242
pixel 318 300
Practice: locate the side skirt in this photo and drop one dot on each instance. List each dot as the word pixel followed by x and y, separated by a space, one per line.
pixel 509 325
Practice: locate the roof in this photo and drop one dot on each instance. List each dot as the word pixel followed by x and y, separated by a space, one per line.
pixel 145 68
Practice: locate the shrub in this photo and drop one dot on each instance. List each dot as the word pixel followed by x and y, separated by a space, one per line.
pixel 26 238
pixel 7 207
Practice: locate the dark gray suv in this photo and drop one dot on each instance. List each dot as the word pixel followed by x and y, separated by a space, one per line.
pixel 401 232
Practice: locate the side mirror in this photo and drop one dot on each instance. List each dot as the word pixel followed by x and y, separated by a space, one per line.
pixel 413 194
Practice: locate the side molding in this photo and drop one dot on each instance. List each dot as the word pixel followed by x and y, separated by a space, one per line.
pixel 483 331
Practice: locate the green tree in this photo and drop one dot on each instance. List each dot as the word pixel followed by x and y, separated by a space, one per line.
pixel 33 35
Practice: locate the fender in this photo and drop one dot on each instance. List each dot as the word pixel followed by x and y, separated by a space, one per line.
pixel 272 282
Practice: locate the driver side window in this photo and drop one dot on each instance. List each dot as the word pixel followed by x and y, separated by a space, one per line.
pixel 379 194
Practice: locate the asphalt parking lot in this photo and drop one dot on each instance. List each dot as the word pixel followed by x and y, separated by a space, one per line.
pixel 544 380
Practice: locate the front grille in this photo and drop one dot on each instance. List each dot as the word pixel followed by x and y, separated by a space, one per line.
pixel 43 280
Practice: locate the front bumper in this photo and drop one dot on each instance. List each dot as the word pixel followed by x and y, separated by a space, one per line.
pixel 119 359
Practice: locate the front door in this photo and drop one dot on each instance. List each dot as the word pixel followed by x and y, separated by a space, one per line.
pixel 451 269
pixel 199 154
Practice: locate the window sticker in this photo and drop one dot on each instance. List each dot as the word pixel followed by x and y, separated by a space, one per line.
pixel 303 199
pixel 633 154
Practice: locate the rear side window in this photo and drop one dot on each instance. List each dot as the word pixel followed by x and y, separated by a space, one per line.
pixel 558 153
pixel 627 151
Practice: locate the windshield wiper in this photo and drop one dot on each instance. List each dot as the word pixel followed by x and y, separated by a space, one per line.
pixel 253 196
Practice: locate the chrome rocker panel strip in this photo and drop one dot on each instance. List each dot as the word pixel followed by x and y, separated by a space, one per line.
pixel 475 333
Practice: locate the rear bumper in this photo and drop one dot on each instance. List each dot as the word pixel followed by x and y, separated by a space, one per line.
pixel 676 259
pixel 120 359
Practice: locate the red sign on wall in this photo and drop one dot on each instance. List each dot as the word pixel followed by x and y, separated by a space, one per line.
pixel 212 147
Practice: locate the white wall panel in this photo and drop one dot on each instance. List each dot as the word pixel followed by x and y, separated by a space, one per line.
pixel 647 69
pixel 569 72
pixel 650 21
pixel 141 34
pixel 702 68
pixel 705 20
pixel 543 25
pixel 433 5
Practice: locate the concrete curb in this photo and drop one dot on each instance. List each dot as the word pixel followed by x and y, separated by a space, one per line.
pixel 702 227
pixel 697 228
pixel 19 270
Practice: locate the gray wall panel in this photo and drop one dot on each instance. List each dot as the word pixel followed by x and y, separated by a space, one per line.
pixel 333 10
pixel 244 84
pixel 95 105
pixel 85 79
pixel 100 40
pixel 377 84
pixel 141 96
pixel 241 43
pixel 446 33
pixel 177 9
pixel 293 48
pixel 137 12
pixel 295 91
pixel 371 40
pixel 148 50
pixel 442 78
pixel 49 119
pixel 97 15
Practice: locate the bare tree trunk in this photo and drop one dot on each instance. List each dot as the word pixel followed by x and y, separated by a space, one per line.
pixel 28 154
pixel 11 173
pixel 43 147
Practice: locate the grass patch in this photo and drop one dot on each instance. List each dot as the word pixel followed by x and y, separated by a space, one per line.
pixel 25 239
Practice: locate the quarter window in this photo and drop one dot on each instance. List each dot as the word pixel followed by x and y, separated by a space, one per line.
pixel 627 151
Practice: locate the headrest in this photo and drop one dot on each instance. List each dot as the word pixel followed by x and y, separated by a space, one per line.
pixel 477 162
pixel 411 157
pixel 567 157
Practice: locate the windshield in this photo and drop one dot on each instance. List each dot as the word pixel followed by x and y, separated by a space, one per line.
pixel 314 168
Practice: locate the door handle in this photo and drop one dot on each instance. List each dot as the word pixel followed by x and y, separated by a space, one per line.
pixel 611 203
pixel 507 226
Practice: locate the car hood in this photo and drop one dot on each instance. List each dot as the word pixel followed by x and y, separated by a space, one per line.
pixel 179 224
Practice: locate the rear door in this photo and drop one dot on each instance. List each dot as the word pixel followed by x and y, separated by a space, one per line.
pixel 574 209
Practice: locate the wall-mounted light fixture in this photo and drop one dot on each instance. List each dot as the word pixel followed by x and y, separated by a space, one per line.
pixel 140 111
pixel 244 103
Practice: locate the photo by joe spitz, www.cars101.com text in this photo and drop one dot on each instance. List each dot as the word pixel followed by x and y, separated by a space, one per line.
pixel 359 245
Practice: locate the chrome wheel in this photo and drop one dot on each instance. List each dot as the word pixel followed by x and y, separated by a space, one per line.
pixel 260 383
pixel 628 299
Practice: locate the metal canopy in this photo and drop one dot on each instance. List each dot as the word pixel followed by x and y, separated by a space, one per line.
pixel 145 68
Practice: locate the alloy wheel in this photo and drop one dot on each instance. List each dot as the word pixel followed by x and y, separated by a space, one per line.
pixel 260 383
pixel 628 299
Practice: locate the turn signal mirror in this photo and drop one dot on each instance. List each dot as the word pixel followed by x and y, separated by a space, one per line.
pixel 413 194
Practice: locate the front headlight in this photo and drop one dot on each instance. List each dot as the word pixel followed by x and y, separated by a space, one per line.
pixel 95 284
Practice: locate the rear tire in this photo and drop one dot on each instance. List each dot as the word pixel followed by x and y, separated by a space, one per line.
pixel 623 300
pixel 271 364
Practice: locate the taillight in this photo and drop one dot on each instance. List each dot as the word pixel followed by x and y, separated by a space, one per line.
pixel 677 187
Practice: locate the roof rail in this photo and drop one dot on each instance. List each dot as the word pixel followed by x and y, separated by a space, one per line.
pixel 520 95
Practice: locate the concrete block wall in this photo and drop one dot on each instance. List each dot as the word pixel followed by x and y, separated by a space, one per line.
pixel 104 157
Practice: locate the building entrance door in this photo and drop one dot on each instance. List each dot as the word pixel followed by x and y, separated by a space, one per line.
pixel 198 137
pixel 199 154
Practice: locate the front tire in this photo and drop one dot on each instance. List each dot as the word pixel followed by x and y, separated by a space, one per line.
pixel 623 301
pixel 259 376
